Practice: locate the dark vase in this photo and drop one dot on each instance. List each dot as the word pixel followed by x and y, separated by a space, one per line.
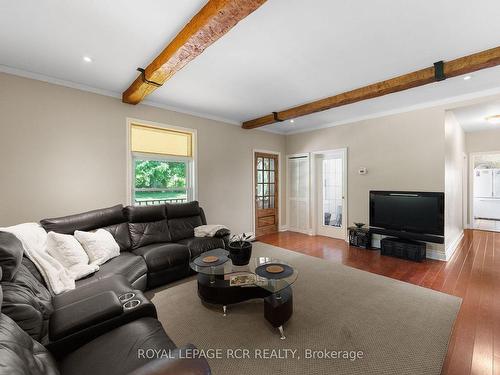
pixel 240 252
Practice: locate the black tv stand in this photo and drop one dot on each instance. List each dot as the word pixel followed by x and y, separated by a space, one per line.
pixel 406 249
pixel 408 235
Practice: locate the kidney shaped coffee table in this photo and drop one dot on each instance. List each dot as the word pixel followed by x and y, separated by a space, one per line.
pixel 222 283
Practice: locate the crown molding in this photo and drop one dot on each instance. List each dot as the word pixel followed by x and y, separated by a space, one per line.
pixel 79 86
pixel 430 104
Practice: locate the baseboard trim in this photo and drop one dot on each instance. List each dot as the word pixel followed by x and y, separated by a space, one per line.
pixel 450 250
pixel 436 255
pixel 283 228
pixel 307 231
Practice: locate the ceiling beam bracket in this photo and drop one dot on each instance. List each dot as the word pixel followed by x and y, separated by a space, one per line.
pixel 145 80
pixel 439 71
pixel 276 118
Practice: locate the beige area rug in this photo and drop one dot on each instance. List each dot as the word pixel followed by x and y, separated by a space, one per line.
pixel 399 328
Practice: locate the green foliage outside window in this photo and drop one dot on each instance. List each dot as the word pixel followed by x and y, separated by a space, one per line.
pixel 152 174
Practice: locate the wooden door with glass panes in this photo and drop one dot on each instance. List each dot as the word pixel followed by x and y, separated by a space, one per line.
pixel 266 193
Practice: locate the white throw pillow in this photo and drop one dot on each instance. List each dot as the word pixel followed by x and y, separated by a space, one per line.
pixel 67 250
pixel 100 245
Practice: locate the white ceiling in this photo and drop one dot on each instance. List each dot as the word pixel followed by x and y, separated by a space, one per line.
pixel 286 53
pixel 473 118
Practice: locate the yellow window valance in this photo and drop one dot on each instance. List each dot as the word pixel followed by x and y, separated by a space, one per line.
pixel 156 140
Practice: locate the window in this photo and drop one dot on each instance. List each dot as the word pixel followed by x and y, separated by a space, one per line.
pixel 265 182
pixel 162 165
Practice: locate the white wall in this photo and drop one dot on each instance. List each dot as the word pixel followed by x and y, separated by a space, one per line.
pixel 63 151
pixel 483 141
pixel 454 165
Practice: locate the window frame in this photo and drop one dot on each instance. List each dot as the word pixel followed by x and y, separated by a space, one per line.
pixel 131 157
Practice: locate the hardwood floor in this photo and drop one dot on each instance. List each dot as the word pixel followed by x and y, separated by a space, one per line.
pixel 472 274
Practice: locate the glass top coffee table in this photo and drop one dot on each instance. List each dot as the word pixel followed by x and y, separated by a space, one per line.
pixel 220 282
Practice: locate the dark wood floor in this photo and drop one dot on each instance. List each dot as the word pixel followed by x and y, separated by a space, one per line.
pixel 472 274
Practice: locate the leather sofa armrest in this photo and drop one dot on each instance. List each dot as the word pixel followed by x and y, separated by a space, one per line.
pixel 225 235
pixel 83 314
pixel 222 233
pixel 61 347
pixel 182 362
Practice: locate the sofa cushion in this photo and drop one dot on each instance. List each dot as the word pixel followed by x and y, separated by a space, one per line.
pixel 198 245
pixel 145 214
pixel 178 210
pixel 183 218
pixel 121 235
pixel 11 255
pixel 85 221
pixel 20 354
pixel 147 225
pixel 159 257
pixel 118 351
pixel 181 228
pixel 143 234
pixel 28 303
pixel 112 219
pixel 131 266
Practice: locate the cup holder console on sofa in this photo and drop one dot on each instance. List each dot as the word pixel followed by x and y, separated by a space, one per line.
pixel 126 297
pixel 131 304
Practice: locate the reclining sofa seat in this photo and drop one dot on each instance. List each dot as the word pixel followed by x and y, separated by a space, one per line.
pixel 151 239
pixel 112 219
pixel 164 236
pixel 182 219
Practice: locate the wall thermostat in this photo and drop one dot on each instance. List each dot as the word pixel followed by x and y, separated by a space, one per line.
pixel 362 170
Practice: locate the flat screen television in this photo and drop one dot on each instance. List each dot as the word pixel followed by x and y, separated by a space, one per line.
pixel 405 211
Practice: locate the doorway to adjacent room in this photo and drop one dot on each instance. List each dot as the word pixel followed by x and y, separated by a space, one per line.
pixel 330 193
pixel 266 171
pixel 485 183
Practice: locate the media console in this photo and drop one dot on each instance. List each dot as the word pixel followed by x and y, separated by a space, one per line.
pixel 408 235
pixel 406 249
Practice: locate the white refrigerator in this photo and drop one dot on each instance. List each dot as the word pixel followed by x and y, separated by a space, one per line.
pixel 487 194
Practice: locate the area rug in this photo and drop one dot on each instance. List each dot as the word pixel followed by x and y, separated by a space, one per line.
pixel 345 321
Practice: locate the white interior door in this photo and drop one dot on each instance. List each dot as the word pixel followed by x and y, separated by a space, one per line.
pixel 496 183
pixel 331 188
pixel 298 193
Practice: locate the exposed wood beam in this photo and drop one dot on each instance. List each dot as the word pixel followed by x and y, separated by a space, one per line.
pixel 453 68
pixel 214 20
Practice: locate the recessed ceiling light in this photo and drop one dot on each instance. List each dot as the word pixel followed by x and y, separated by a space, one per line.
pixel 466 78
pixel 292 121
pixel 87 59
pixel 495 119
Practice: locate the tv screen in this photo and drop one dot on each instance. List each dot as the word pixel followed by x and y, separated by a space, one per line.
pixel 416 212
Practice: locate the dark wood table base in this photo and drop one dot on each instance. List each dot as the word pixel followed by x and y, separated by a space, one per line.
pixel 278 307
